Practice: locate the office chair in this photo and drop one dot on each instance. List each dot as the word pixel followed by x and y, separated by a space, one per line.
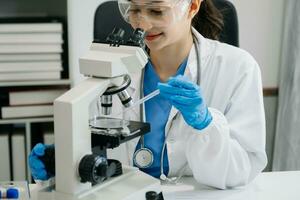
pixel 230 33
pixel 107 17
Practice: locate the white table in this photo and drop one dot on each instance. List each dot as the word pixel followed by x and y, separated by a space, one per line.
pixel 267 186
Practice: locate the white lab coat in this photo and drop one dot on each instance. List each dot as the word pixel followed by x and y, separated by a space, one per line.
pixel 231 150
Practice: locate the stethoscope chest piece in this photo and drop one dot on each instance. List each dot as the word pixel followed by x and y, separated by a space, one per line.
pixel 143 158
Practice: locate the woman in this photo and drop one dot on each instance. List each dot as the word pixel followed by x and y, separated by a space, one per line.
pixel 216 133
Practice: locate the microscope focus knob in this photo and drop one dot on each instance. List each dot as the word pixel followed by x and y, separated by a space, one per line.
pixel 92 168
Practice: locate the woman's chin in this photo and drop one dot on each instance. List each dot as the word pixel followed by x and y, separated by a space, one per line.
pixel 154 46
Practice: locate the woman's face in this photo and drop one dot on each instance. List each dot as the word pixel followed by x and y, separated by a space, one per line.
pixel 164 25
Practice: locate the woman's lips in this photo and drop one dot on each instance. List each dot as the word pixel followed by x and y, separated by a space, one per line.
pixel 151 37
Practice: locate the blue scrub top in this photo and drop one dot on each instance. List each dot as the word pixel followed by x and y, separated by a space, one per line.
pixel 157 112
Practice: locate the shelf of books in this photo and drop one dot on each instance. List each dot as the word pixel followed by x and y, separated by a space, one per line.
pixel 33 73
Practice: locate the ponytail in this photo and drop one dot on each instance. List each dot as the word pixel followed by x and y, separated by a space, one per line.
pixel 208 21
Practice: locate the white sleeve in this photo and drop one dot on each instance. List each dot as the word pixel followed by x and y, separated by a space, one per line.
pixel 230 152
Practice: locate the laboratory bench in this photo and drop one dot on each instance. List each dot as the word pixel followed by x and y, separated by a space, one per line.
pixel 267 186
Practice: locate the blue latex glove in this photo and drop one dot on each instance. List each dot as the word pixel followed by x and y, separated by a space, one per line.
pixel 187 98
pixel 37 167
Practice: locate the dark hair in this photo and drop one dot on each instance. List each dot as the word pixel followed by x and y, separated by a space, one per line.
pixel 209 20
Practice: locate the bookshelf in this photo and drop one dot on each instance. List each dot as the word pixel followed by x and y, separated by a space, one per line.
pixel 27 123
pixel 32 128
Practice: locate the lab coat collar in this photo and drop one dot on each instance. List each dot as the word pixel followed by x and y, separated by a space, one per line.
pixel 204 49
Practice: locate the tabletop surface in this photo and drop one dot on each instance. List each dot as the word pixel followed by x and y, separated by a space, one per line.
pixel 267 186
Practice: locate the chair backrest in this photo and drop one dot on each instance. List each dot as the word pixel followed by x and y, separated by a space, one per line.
pixel 230 33
pixel 107 17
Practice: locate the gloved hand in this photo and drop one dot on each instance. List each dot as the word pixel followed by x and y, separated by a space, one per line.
pixel 37 167
pixel 187 98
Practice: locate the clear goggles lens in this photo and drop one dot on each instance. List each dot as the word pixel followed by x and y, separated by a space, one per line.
pixel 156 12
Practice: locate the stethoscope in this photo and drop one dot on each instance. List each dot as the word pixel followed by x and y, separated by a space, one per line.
pixel 143 157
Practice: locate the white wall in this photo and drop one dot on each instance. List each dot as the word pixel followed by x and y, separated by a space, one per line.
pixel 80 25
pixel 261 24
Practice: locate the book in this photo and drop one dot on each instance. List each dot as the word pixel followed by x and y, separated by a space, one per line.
pixel 30 76
pixel 30 48
pixel 34 96
pixel 26 111
pixel 48 137
pixel 4 158
pixel 30 57
pixel 31 38
pixel 31 28
pixel 18 154
pixel 4 99
pixel 30 66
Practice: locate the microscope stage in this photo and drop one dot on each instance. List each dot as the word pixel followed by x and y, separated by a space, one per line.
pixel 106 137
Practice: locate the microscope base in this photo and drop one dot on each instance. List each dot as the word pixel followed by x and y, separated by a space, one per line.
pixel 131 185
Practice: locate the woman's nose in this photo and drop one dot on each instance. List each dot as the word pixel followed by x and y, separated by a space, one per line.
pixel 143 23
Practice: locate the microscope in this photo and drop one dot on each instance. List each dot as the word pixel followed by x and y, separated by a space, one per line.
pixel 82 169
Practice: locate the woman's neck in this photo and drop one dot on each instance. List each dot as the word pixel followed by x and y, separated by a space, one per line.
pixel 167 60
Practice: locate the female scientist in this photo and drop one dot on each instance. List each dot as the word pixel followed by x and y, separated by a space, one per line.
pixel 208 120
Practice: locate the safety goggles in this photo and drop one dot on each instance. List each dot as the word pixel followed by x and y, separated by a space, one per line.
pixel 159 13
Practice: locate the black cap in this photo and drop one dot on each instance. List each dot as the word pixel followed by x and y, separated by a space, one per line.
pixel 151 195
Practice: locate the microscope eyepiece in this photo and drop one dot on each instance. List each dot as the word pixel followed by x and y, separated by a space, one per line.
pixel 116 37
pixel 137 38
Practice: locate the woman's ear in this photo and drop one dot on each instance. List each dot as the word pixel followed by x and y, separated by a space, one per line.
pixel 194 8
